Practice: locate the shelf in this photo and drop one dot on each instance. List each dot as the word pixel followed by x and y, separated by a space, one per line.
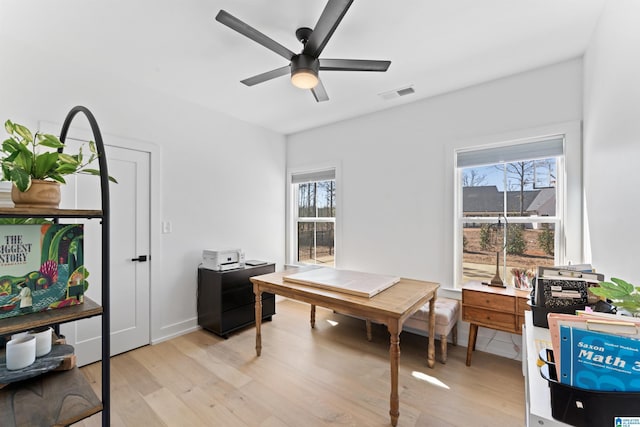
pixel 53 399
pixel 49 213
pixel 25 322
pixel 63 398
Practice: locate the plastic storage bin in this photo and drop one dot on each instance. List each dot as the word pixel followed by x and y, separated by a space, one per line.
pixel 587 408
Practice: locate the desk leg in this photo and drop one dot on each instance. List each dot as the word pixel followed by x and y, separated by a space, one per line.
pixel 431 350
pixel 394 357
pixel 258 293
pixel 471 345
pixel 313 316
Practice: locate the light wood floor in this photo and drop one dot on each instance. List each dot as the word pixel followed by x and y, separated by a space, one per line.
pixel 328 376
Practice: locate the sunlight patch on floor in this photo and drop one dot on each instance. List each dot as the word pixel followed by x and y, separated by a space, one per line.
pixel 428 378
pixel 332 322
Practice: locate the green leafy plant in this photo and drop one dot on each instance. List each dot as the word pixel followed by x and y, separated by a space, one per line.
pixel 516 245
pixel 621 293
pixel 484 237
pixel 27 156
pixel 546 240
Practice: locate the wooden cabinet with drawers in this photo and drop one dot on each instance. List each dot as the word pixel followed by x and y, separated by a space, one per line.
pixel 491 307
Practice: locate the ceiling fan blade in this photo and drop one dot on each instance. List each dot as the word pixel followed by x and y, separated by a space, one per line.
pixel 331 16
pixel 319 92
pixel 353 65
pixel 248 31
pixel 267 76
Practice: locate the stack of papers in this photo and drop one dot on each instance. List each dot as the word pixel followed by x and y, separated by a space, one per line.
pixel 346 281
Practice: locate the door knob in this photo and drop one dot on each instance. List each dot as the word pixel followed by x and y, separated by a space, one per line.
pixel 141 258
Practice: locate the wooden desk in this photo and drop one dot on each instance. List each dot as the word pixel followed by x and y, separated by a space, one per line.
pixel 496 308
pixel 390 307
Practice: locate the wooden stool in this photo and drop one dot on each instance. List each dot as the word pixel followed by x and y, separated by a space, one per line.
pixel 447 314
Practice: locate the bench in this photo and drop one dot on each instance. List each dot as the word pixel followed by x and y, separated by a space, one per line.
pixel 447 314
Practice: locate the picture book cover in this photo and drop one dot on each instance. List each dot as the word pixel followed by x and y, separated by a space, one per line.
pixel 41 267
pixel 599 361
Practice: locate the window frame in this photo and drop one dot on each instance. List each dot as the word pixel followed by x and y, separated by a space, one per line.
pixel 569 195
pixel 293 219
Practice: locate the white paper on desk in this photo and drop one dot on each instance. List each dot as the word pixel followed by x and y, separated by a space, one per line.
pixel 346 281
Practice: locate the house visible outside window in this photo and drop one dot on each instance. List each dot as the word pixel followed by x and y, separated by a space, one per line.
pixel 313 198
pixel 510 210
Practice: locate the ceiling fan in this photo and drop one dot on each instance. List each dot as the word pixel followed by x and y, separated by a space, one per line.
pixel 304 67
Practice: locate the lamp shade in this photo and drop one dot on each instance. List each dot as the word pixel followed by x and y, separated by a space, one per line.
pixel 304 71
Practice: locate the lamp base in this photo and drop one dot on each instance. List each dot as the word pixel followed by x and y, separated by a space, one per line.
pixel 497 282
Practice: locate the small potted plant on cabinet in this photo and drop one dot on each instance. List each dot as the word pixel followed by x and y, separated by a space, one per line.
pixel 36 167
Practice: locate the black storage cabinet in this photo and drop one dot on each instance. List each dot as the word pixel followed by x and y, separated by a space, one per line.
pixel 226 301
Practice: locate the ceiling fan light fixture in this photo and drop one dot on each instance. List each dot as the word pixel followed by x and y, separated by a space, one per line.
pixel 304 71
pixel 304 79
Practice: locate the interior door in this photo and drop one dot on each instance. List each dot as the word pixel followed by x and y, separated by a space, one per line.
pixel 130 242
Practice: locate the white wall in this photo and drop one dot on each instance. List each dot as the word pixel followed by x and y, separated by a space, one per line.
pixel 612 141
pixel 217 174
pixel 397 173
pixel 397 169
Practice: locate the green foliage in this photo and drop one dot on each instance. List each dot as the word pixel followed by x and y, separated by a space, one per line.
pixel 621 293
pixel 516 245
pixel 485 237
pixel 24 159
pixel 546 240
pixel 464 242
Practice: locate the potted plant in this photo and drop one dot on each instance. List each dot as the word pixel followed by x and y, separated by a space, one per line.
pixel 36 166
pixel 621 293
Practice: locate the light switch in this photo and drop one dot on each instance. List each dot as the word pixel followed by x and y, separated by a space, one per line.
pixel 166 227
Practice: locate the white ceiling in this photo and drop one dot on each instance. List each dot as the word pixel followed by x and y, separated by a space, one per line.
pixel 176 47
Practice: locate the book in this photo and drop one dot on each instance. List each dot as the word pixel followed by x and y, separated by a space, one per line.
pixel 587 268
pixel 599 361
pixel 41 267
pixel 569 274
pixel 599 322
pixel 558 287
pixel 558 293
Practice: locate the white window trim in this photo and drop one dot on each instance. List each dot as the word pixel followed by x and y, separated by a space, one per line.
pixel 571 194
pixel 291 216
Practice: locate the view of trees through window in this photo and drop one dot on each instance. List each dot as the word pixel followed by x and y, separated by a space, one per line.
pixel 316 222
pixel 510 209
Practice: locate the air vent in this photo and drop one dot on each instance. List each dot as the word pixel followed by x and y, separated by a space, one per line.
pixel 397 93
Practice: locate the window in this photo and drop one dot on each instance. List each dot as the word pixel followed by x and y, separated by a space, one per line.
pixel 509 210
pixel 314 217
